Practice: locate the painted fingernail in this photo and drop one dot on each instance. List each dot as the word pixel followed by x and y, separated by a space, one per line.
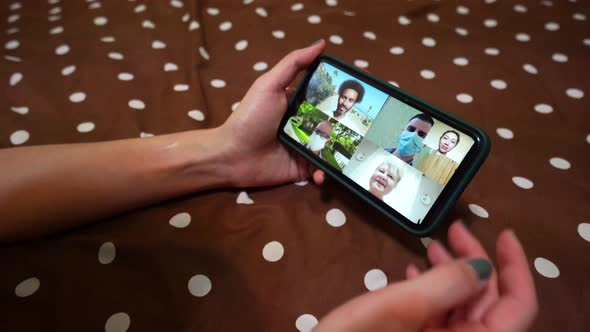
pixel 316 42
pixel 482 268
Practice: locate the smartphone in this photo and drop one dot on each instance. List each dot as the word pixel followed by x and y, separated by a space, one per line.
pixel 405 157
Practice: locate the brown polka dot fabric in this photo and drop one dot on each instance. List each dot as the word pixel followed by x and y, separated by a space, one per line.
pixel 279 259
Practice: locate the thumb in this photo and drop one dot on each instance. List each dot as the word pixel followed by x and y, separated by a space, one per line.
pixel 411 304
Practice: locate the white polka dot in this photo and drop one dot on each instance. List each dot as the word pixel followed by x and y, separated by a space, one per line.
pixel 301 183
pixel 261 12
pixel 462 10
pixel 490 23
pixel 579 17
pixel 551 26
pixel 464 98
pixel 15 6
pixel 94 5
pixel 297 7
pixel 241 45
pixel 396 50
pixel 375 279
pixel 180 87
pixel 54 18
pixel 247 2
pixel 543 108
pixel 520 8
pixel 432 18
pixel 158 45
pixel 107 39
pixel 203 52
pixel 12 44
pixel 575 93
pixel 278 34
pixel 546 268
pixel 492 51
pixel 403 20
pixel 559 57
pixel 505 133
pixel 478 211
pixel 428 42
pixel 273 251
pixel 176 4
pixel 332 3
pixel 361 63
pixel 194 25
pixel 180 220
pixel 335 217
pixel 234 106
pixel 523 183
pixel 586 41
pixel 425 241
pixel 547 3
pixel 77 97
pixel 370 35
pixel 27 287
pixel 349 13
pixel 260 66
pixel 335 39
pixel 225 26
pixel 19 137
pixel 115 56
pixel 144 135
pixel 530 69
pixel 68 70
pixel 147 24
pixel 217 83
pixel 22 110
pixel 461 61
pixel 118 322
pixel 314 19
pixel 498 84
pixel 213 11
pixel 136 104
pixel 55 10
pixel 52 2
pixel 125 76
pixel 12 30
pixel 461 31
pixel 560 163
pixel 139 8
pixel 199 285
pixel 588 138
pixel 62 49
pixel 169 66
pixel 584 231
pixel 393 83
pixel 196 115
pixel 243 198
pixel 85 127
pixel 522 37
pixel 107 253
pixel 15 78
pixel 12 58
pixel 101 20
pixel 56 30
pixel 427 74
pixel 306 323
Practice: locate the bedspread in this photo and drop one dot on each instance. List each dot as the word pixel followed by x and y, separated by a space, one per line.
pixel 279 259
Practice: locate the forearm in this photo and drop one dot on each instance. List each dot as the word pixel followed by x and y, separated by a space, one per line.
pixel 48 188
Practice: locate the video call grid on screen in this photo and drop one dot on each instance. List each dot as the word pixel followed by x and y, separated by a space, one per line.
pixel 400 155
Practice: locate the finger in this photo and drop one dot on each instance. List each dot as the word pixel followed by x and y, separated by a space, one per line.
pixel 319 177
pixel 517 305
pixel 284 72
pixel 412 271
pixel 289 92
pixel 465 245
pixel 437 254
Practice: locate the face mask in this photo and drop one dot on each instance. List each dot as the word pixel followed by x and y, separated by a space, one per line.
pixel 409 143
pixel 316 142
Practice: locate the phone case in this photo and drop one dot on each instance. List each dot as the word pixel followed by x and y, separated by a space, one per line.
pixel 460 179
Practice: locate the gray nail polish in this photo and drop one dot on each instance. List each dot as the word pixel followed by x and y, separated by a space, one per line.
pixel 482 267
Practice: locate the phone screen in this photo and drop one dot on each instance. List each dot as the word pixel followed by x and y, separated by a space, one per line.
pixel 400 155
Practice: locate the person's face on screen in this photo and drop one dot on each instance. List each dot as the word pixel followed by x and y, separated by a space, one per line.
pixel 447 142
pixel 421 127
pixel 345 102
pixel 320 136
pixel 383 180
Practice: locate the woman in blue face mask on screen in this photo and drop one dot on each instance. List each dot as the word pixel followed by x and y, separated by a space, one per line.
pixel 411 139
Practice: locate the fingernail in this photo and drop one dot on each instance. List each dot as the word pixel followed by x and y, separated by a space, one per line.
pixel 482 268
pixel 316 42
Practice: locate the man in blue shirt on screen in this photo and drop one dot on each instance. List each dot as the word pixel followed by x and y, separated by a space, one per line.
pixel 411 140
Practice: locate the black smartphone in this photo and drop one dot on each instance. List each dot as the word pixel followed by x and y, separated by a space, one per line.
pixel 405 157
